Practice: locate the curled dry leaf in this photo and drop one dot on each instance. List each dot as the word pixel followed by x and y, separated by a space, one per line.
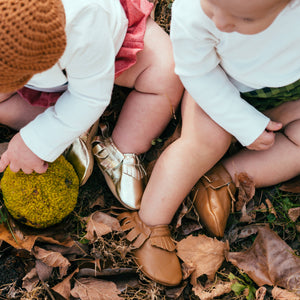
pixel 260 293
pixel 280 294
pixel 202 253
pixel 25 239
pixel 212 291
pixel 18 242
pixel 294 213
pixel 98 202
pixel 246 217
pixel 271 207
pixel 31 280
pixel 64 288
pixel 187 270
pixel 246 190
pixel 77 249
pixel 292 186
pixel 182 213
pixel 269 261
pixel 95 289
pixel 52 259
pixel 100 224
pixel 44 271
pixel 175 292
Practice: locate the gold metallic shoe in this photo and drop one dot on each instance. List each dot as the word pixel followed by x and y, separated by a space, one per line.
pixel 80 155
pixel 154 249
pixel 123 173
pixel 212 196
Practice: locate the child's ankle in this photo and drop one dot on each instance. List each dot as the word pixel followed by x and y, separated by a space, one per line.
pixel 150 221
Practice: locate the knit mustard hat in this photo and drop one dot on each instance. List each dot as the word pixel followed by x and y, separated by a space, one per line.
pixel 32 39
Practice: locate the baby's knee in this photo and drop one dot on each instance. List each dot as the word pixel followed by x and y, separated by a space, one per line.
pixel 292 132
pixel 201 142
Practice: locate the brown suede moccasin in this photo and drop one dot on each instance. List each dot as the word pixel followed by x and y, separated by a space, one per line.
pixel 212 196
pixel 154 249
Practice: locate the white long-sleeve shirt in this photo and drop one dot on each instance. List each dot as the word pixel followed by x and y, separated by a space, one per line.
pixel 95 31
pixel 215 66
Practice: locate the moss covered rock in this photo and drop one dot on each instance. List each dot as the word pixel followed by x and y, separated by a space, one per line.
pixel 41 200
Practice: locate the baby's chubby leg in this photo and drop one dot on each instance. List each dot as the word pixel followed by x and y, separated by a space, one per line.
pixel 156 95
pixel 15 112
pixel 201 145
pixel 279 163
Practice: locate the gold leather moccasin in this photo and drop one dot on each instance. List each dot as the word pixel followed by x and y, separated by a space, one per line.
pixel 80 155
pixel 212 196
pixel 154 250
pixel 124 173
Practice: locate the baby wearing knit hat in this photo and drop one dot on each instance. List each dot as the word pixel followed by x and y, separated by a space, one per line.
pixel 32 39
pixel 60 60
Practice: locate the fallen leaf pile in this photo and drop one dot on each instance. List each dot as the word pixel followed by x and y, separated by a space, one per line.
pixel 87 256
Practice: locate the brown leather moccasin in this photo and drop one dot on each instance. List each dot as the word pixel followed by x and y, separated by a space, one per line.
pixel 212 196
pixel 154 251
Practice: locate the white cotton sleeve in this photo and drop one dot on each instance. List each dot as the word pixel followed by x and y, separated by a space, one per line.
pixel 197 64
pixel 89 59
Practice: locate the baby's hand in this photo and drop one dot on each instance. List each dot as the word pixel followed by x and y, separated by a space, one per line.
pixel 267 138
pixel 19 157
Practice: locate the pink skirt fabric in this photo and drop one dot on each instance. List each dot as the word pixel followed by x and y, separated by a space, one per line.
pixel 137 12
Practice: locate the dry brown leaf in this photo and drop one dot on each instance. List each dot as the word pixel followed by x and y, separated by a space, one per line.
pixel 31 280
pixel 203 253
pixel 95 289
pixel 260 293
pixel 292 186
pixel 246 217
pixel 24 238
pixel 66 242
pixel 175 135
pixel 77 249
pixel 280 294
pixel 100 224
pixel 294 213
pixel 25 242
pixel 175 292
pixel 52 259
pixel 64 288
pixel 44 271
pixel 187 270
pixel 214 290
pixel 182 213
pixel 269 261
pixel 98 202
pixel 271 207
pixel 246 190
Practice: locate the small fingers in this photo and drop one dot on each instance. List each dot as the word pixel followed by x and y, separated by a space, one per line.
pixel 41 168
pixel 26 170
pixel 14 168
pixel 4 162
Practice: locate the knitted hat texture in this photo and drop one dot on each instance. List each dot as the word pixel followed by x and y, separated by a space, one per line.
pixel 32 39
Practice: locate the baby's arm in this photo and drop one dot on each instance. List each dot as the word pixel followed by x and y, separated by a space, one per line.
pixel 90 70
pixel 198 65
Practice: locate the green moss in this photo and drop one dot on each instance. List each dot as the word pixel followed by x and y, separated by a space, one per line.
pixel 41 200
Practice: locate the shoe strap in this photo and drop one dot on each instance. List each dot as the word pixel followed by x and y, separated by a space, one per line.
pixel 133 167
pixel 217 178
pixel 114 163
pixel 109 158
pixel 139 232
